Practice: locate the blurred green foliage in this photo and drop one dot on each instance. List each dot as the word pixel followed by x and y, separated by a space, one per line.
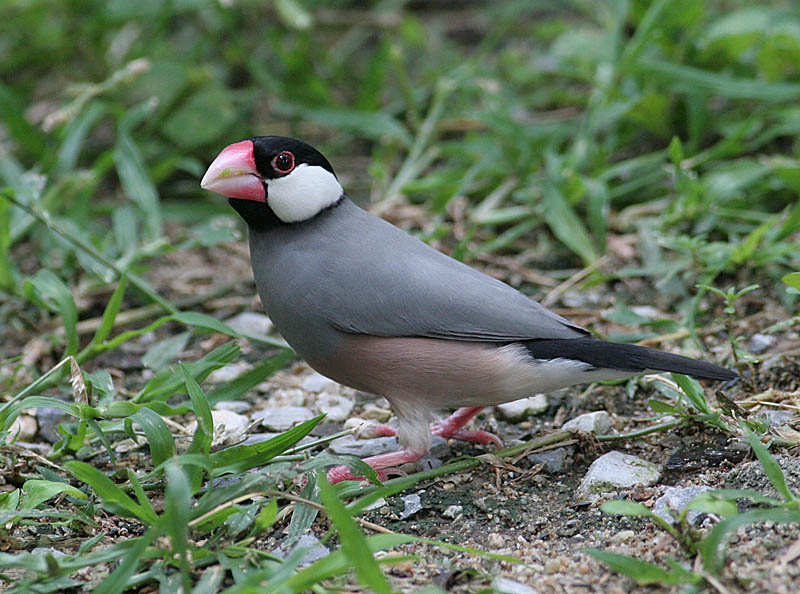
pixel 121 104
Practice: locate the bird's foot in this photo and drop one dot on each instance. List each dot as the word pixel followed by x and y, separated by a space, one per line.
pixel 483 437
pixel 376 430
pixel 384 464
pixel 452 428
pixel 449 428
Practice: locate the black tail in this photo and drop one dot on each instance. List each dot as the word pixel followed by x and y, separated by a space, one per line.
pixel 625 357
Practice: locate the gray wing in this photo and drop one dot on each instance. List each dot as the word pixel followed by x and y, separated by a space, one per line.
pixel 383 282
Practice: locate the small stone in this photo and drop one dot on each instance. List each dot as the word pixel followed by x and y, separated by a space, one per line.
pixel 316 550
pixel 229 427
pixel 584 298
pixel 496 541
pixel 362 428
pixel 440 448
pixel 350 446
pixel 569 528
pixel 448 486
pixel 646 311
pixel 552 566
pixel 356 423
pixel 286 397
pixel 427 462
pixel 237 406
pixel 316 382
pixel 281 419
pixel 400 568
pixel 40 448
pixel 23 428
pixel 229 373
pixel 598 422
pixel 250 322
pixel 48 550
pixel 776 418
pixel 337 408
pixel 378 503
pixel 614 471
pixel 326 428
pixel 519 410
pixel 49 419
pixel 411 505
pixel 624 536
pixel 553 460
pixel 502 585
pixel 376 413
pixel 453 511
pixel 761 342
pixel 677 498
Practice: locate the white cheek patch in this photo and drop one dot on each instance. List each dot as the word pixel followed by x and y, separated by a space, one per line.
pixel 303 193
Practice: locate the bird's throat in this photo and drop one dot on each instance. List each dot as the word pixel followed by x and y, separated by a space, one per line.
pixel 257 215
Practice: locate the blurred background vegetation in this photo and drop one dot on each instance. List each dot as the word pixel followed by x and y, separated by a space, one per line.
pixel 561 121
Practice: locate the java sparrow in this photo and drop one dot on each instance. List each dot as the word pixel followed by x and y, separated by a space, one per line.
pixel 373 308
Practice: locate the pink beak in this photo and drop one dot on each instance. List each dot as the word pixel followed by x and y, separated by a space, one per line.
pixel 234 174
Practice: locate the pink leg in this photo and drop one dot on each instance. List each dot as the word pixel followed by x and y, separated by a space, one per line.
pixel 450 428
pixel 379 462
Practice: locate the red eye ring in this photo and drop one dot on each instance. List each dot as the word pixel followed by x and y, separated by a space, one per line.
pixel 283 162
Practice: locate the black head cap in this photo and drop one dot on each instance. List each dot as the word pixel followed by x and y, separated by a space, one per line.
pixel 267 148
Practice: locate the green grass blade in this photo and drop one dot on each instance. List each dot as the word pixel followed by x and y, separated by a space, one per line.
pixel 352 540
pixel 7 268
pixel 141 496
pixel 245 382
pixel 711 546
pixel 634 509
pixel 75 134
pixel 694 391
pixel 204 434
pixel 101 435
pixel 166 383
pixel 304 515
pixel 771 467
pixel 53 290
pixel 111 311
pixel 694 80
pixel 136 182
pixel 108 491
pixel 37 491
pixel 566 225
pixel 642 572
pixel 338 562
pixel 162 445
pixel 241 458
pixel 175 519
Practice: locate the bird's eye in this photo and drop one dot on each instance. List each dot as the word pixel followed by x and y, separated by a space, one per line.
pixel 283 162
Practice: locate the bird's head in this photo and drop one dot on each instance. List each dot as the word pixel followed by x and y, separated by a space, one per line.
pixel 273 178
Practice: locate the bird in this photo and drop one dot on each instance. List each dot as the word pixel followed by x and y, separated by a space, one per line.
pixel 371 307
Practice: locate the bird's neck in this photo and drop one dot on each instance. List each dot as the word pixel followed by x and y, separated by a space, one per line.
pixel 257 215
pixel 260 217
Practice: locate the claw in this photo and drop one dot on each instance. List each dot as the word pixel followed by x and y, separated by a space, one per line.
pixel 483 437
pixel 377 430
